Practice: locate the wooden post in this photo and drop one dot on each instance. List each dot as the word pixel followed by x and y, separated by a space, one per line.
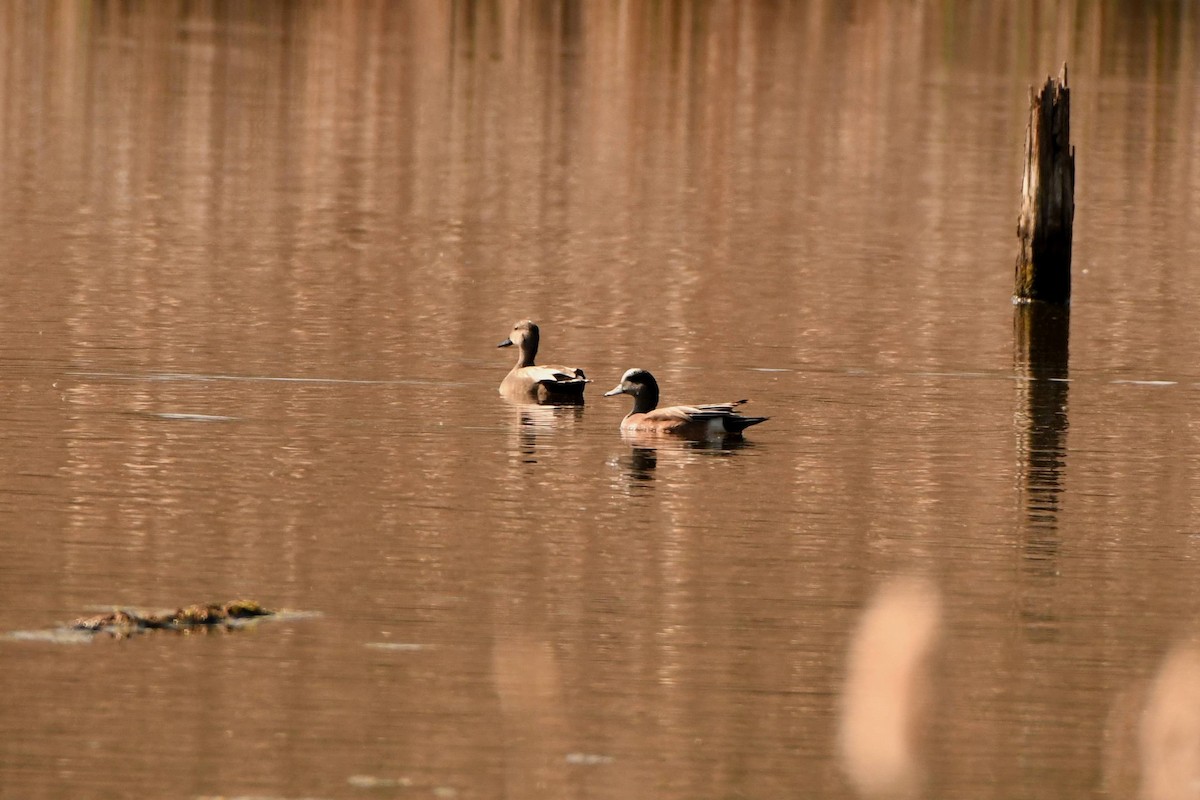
pixel 1047 198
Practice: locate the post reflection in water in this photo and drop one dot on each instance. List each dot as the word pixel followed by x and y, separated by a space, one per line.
pixel 888 691
pixel 1041 349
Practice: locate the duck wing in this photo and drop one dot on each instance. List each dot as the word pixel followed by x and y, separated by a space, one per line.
pixel 694 413
pixel 552 374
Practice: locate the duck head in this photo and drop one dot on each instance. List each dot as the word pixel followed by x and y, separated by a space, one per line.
pixel 525 336
pixel 640 384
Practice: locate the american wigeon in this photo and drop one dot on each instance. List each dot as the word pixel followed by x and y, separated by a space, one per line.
pixel 549 383
pixel 703 420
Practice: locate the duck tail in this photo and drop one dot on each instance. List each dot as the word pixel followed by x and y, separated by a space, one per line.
pixel 737 423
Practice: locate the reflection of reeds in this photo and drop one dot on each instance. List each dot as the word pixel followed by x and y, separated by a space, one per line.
pixel 885 702
pixel 1152 737
pixel 528 684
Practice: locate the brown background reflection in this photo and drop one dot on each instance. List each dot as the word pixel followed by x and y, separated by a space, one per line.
pixel 257 259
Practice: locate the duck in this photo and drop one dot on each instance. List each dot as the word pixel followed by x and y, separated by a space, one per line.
pixel 548 383
pixel 711 419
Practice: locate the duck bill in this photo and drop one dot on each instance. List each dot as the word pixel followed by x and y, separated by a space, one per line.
pixel 614 392
pixel 505 343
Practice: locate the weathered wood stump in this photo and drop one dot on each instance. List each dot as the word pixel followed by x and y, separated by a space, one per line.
pixel 1047 197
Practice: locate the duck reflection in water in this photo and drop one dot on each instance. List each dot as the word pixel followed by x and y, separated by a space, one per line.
pixel 537 423
pixel 642 461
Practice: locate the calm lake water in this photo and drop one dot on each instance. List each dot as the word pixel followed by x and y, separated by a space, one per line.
pixel 257 259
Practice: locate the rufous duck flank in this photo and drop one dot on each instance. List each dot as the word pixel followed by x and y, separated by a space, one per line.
pixel 702 420
pixel 549 383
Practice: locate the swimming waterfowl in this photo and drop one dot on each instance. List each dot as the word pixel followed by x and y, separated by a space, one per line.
pixel 549 383
pixel 702 420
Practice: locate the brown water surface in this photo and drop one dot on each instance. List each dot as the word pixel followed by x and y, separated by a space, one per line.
pixel 257 258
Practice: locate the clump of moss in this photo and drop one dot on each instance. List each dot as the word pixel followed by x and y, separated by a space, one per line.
pixel 117 619
pixel 244 609
pixel 188 616
pixel 125 623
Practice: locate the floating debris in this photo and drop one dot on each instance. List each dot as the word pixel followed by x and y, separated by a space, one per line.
pixel 122 623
